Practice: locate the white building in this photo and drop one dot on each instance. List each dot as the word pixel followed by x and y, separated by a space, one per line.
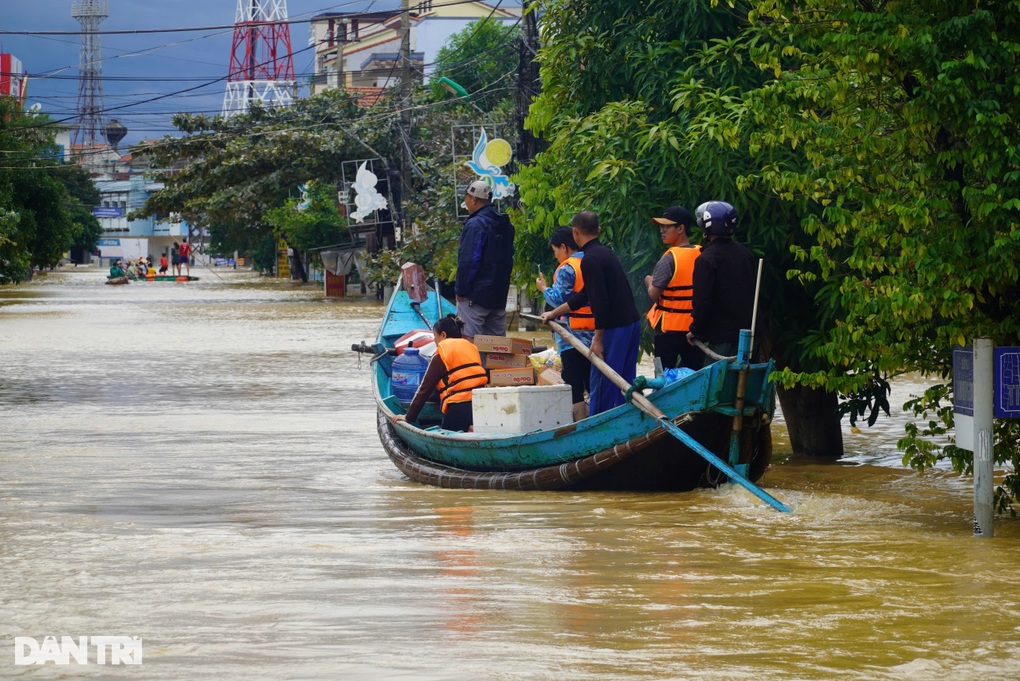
pixel 124 238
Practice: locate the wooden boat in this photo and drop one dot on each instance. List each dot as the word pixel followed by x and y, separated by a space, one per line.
pixel 117 281
pixel 623 448
pixel 167 277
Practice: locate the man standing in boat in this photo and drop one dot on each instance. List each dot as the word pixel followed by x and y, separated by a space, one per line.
pixel 670 286
pixel 484 262
pixel 175 258
pixel 185 253
pixel 617 323
pixel 724 282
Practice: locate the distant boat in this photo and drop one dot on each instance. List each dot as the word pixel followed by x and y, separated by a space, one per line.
pixel 167 277
pixel 623 448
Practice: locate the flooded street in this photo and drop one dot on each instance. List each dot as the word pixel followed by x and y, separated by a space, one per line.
pixel 197 465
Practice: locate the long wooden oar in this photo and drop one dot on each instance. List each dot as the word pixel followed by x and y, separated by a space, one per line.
pixel 642 403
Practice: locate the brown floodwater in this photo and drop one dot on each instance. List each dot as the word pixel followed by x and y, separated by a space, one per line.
pixel 197 465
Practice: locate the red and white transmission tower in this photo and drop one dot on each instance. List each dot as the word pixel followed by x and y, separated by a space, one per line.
pixel 261 63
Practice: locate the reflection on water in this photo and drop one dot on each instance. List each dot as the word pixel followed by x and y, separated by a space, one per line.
pixel 197 465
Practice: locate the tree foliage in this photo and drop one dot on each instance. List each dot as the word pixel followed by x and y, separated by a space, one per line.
pixel 482 59
pixel 640 105
pixel 44 207
pixel 869 148
pixel 226 173
pixel 906 115
pixel 311 222
pixel 433 205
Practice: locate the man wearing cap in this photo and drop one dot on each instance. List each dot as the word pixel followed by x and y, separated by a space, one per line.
pixel 484 263
pixel 617 322
pixel 671 288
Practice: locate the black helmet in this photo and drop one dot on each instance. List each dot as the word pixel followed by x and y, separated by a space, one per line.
pixel 716 218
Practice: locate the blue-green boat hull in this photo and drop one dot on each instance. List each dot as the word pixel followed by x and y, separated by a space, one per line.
pixel 623 448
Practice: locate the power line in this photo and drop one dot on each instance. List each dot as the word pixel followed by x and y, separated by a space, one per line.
pixel 253 24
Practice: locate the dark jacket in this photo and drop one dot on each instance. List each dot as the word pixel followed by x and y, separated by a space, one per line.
pixel 485 258
pixel 724 281
pixel 606 288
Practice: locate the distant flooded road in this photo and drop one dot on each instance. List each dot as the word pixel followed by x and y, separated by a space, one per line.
pixel 197 465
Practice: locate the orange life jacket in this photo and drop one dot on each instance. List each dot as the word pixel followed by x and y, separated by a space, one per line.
pixel 581 319
pixel 464 371
pixel 673 308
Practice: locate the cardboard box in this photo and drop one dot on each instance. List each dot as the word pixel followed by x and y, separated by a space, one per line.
pixel 549 377
pixel 503 344
pixel 525 376
pixel 521 409
pixel 501 360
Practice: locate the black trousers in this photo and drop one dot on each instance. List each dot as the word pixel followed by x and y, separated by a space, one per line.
pixel 458 416
pixel 674 351
pixel 576 373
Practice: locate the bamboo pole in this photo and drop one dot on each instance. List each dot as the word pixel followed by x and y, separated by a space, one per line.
pixel 642 403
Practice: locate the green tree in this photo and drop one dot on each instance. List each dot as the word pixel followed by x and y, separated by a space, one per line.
pixel 642 106
pixel 313 225
pixel 39 218
pixel 432 208
pixel 906 115
pixel 83 196
pixel 226 173
pixel 482 59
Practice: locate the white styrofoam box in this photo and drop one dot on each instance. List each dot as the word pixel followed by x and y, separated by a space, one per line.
pixel 521 408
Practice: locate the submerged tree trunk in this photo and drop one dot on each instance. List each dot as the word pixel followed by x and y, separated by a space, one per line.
pixel 299 266
pixel 812 421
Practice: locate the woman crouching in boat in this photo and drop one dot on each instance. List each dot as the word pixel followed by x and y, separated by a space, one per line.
pixel 455 370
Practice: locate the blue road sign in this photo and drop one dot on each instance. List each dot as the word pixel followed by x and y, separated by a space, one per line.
pixel 963 380
pixel 1007 383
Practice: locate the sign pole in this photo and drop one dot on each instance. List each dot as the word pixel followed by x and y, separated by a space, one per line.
pixel 984 456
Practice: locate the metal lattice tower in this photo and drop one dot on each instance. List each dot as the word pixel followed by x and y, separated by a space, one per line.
pixel 261 63
pixel 90 13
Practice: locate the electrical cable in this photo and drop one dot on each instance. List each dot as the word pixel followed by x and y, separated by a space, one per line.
pixel 250 24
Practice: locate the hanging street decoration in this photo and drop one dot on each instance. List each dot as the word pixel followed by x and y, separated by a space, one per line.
pixel 366 197
pixel 487 161
pixel 306 199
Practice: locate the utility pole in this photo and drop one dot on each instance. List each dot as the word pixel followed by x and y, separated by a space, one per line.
pixel 528 85
pixel 405 112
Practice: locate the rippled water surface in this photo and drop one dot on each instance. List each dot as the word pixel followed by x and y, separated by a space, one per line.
pixel 197 465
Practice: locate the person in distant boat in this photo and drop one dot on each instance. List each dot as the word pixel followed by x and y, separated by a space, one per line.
pixel 724 282
pixel 567 281
pixel 671 288
pixel 185 253
pixel 175 258
pixel 617 323
pixel 484 261
pixel 162 264
pixel 116 271
pixel 455 370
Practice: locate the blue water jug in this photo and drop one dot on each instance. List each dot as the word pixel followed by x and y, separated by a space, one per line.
pixel 408 370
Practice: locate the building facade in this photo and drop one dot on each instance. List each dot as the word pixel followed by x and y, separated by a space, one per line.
pixel 360 51
pixel 125 238
pixel 13 78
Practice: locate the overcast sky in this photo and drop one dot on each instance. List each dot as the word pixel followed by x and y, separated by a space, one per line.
pixel 139 68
